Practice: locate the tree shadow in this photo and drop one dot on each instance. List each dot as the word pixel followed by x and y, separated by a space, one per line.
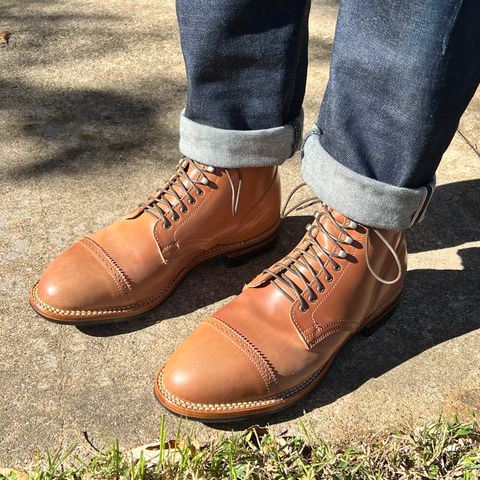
pixel 77 130
pixel 74 129
pixel 39 28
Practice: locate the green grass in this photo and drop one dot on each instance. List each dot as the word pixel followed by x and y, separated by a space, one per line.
pixel 446 449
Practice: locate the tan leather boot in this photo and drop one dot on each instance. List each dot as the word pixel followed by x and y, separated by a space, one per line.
pixel 274 343
pixel 134 264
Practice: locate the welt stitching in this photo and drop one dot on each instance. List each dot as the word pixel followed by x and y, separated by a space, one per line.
pixel 133 306
pixel 208 406
pixel 231 406
pixel 103 311
pixel 327 334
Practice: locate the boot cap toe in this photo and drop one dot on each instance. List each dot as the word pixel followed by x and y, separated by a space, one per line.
pixel 214 366
pixel 77 280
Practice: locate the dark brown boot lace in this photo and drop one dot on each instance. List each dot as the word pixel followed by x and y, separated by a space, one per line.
pixel 289 268
pixel 159 205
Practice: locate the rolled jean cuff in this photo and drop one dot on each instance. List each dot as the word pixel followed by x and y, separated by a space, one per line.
pixel 364 200
pixel 239 148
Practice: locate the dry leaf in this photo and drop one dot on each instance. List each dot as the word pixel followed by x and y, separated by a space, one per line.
pixel 171 448
pixel 4 38
pixel 256 433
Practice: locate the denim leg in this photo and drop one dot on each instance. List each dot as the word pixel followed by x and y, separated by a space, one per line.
pixel 402 74
pixel 246 63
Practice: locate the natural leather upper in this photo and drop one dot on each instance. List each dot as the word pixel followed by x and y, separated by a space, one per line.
pixel 141 256
pixel 263 344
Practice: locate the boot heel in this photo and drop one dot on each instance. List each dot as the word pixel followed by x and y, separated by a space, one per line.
pixel 240 257
pixel 378 322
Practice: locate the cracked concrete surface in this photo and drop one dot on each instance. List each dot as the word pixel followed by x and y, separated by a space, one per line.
pixel 90 97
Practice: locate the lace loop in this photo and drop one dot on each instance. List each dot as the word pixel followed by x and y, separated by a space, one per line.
pixel 394 255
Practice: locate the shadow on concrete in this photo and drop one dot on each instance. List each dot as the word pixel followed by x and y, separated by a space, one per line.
pixel 437 305
pixel 71 129
pixel 84 129
pixel 39 26
pixel 320 51
pixel 453 218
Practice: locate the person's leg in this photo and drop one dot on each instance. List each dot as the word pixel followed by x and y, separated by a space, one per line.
pixel 246 65
pixel 402 74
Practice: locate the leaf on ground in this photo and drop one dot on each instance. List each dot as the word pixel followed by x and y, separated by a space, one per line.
pixel 255 434
pixel 4 38
pixel 171 448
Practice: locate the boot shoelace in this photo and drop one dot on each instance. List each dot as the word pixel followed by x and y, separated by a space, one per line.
pixel 324 257
pixel 159 205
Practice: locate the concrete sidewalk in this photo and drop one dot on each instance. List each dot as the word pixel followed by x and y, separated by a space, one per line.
pixel 90 93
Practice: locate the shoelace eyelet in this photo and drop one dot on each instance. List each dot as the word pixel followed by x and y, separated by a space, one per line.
pixel 184 209
pixel 303 308
pixel 200 192
pixel 312 299
pixel 321 290
pixel 329 278
pixel 166 226
pixel 192 201
pixel 337 267
pixel 176 218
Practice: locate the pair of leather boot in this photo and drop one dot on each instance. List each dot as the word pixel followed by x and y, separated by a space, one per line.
pixel 274 342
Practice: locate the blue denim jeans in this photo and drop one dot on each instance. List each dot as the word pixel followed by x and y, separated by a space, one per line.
pixel 401 75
